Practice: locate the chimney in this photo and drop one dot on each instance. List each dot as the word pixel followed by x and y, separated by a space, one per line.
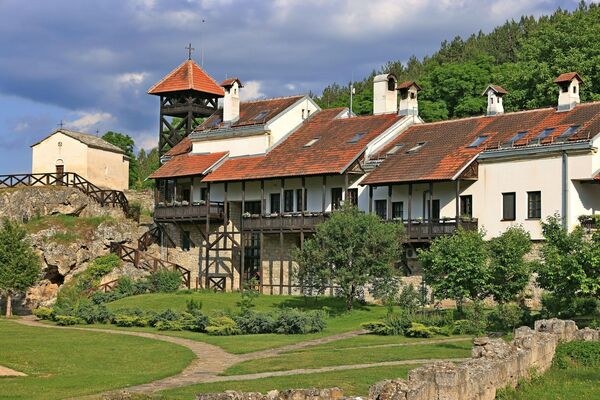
pixel 568 94
pixel 231 101
pixel 385 99
pixel 409 103
pixel 494 95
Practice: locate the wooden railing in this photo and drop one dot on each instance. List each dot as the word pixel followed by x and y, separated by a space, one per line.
pixel 115 198
pixel 424 230
pixel 192 212
pixel 150 237
pixel 141 260
pixel 288 221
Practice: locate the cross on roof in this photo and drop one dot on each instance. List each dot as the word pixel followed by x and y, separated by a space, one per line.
pixel 189 48
pixel 60 124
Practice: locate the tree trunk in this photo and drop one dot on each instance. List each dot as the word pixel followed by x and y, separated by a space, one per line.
pixel 8 305
pixel 350 298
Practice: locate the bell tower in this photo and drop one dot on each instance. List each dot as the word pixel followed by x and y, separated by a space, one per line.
pixel 185 93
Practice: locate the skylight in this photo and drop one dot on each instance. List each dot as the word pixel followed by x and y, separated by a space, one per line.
pixel 214 123
pixel 416 148
pixel 545 133
pixel 478 140
pixel 395 149
pixel 570 131
pixel 312 141
pixel 260 115
pixel 517 137
pixel 357 137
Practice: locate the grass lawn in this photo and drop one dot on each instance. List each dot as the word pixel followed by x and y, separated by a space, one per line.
pixel 324 358
pixel 353 382
pixel 69 228
pixel 377 340
pixel 339 320
pixel 68 363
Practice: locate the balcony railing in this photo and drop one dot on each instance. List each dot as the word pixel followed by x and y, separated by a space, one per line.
pixel 184 212
pixel 423 230
pixel 306 221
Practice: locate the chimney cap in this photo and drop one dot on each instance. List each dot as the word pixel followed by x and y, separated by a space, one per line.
pixel 384 77
pixel 230 81
pixel 495 88
pixel 407 84
pixel 568 77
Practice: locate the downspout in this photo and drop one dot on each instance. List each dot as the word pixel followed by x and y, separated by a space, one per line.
pixel 565 190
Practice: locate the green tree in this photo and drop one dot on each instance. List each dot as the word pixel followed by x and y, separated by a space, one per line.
pixel 19 265
pixel 570 263
pixel 509 271
pixel 456 267
pixel 148 163
pixel 125 143
pixel 351 250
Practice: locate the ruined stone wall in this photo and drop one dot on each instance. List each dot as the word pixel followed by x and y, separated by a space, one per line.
pixel 494 364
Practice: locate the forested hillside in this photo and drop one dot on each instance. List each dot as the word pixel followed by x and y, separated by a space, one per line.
pixel 522 56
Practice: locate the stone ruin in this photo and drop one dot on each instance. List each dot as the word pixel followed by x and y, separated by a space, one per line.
pixel 494 364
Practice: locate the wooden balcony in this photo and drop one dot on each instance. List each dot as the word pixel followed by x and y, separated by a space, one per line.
pixel 424 231
pixel 188 212
pixel 289 222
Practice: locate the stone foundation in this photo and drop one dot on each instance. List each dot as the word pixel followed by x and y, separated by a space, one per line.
pixel 494 364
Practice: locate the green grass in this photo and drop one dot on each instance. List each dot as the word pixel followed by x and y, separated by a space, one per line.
pixel 69 227
pixel 353 382
pixel 324 358
pixel 68 363
pixel 377 340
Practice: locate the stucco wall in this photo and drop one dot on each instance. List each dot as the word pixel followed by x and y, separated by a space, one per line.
pixel 239 146
pixel 71 153
pixel 286 122
pixel 107 169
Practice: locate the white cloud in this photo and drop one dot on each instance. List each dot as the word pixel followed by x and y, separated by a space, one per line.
pixel 290 87
pixel 251 90
pixel 21 126
pixel 146 141
pixel 131 78
pixel 88 120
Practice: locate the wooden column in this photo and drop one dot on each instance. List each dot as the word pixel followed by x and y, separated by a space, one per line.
pixel 207 256
pixel 191 199
pixel 457 197
pixel 370 199
pixel 389 203
pixel 263 204
pixel 323 193
pixel 409 206
pixel 242 243
pixel 225 226
pixel 346 189
pixel 175 189
pixel 281 209
pixel 430 209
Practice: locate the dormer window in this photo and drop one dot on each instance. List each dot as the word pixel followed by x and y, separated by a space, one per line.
pixel 545 133
pixel 312 141
pixel 477 141
pixel 416 148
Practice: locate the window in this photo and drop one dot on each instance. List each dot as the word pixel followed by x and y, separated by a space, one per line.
pixel 353 197
pixel 252 257
pixel 185 241
pixel 466 206
pixel 312 141
pixel 275 203
pixel 395 149
pixel 574 89
pixel 534 205
pixel 357 137
pixel 570 131
pixel 381 208
pixel 435 212
pixel 398 210
pixel 509 206
pixel 545 133
pixel 478 140
pixel 288 201
pixel 517 137
pixel 261 115
pixel 416 148
pixel 216 121
pixel 203 193
pixel 300 201
pixel 336 198
pixel 252 207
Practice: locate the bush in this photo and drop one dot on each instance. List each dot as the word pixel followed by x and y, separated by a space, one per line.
pixel 103 265
pixel 192 305
pixel 193 321
pixel 129 321
pixel 506 317
pixel 92 313
pixel 222 326
pixel 167 315
pixel 43 313
pixel 165 281
pixel 438 318
pixel 67 320
pixel 585 354
pixel 293 321
pixel 253 322
pixel 169 326
pixel 377 328
pixel 419 331
pixel 475 315
pixel 409 298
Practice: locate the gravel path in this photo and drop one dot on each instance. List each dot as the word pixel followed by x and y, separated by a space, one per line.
pixel 5 371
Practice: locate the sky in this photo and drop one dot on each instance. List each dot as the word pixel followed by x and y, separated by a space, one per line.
pixel 89 63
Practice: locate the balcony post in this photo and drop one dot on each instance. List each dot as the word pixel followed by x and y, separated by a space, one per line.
pixel 346 189
pixel 323 193
pixel 430 210
pixel 370 199
pixel 191 199
pixel 457 206
pixel 242 243
pixel 174 189
pixel 409 206
pixel 225 224
pixel 388 211
pixel 263 204
pixel 281 210
pixel 207 256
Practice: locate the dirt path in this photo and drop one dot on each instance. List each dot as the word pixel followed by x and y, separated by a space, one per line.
pixel 5 371
pixel 212 360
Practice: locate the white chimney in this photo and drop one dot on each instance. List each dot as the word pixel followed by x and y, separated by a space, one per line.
pixel 231 101
pixel 409 102
pixel 385 99
pixel 494 95
pixel 568 95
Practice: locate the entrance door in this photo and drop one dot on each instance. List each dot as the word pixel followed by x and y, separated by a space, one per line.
pixel 60 172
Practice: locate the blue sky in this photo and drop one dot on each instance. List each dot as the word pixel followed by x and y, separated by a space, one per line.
pixel 90 63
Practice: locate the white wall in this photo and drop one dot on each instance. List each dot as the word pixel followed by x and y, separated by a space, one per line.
pixel 288 121
pixel 238 146
pixel 71 152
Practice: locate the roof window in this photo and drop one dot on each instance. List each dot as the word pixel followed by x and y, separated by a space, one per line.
pixel 570 131
pixel 312 141
pixel 357 137
pixel 416 148
pixel 395 149
pixel 478 140
pixel 545 133
pixel 261 115
pixel 216 121
pixel 517 137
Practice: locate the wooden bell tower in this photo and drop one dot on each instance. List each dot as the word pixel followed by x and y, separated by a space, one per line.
pixel 187 93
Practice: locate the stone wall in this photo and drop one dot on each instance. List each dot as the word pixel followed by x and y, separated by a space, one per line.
pixel 494 364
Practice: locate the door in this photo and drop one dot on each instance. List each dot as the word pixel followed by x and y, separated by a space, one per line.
pixel 60 173
pixel 336 198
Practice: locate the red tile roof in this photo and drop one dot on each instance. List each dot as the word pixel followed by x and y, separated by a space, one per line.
pixel 568 77
pixel 497 89
pixel 188 164
pixel 180 148
pixel 187 76
pixel 249 111
pixel 407 84
pixel 230 81
pixel 446 150
pixel 340 142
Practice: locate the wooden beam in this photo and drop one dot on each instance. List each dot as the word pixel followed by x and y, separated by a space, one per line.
pixel 207 233
pixel 430 209
pixel 370 199
pixel 389 203
pixel 242 242
pixel 457 206
pixel 409 205
pixel 323 193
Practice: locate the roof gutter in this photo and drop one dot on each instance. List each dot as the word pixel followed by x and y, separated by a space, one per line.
pixel 534 150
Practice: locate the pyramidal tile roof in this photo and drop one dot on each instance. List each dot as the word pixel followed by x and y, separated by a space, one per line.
pixel 187 76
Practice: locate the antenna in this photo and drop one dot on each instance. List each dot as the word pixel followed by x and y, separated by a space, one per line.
pixel 202 44
pixel 351 95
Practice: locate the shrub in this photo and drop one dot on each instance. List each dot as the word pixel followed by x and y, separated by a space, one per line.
pixel 252 322
pixel 438 318
pixel 167 315
pixel 554 306
pixel 165 281
pixel 293 321
pixel 103 265
pixel 141 286
pixel 169 326
pixel 193 321
pixel 128 321
pixel 506 317
pixel 67 320
pixel 92 313
pixel 246 303
pixel 585 354
pixel 124 287
pixel 44 313
pixel 377 328
pixel 192 305
pixel 409 298
pixel 419 331
pixel 398 323
pixel 475 314
pixel 222 326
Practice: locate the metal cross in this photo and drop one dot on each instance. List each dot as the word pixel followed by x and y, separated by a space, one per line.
pixel 61 124
pixel 189 48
